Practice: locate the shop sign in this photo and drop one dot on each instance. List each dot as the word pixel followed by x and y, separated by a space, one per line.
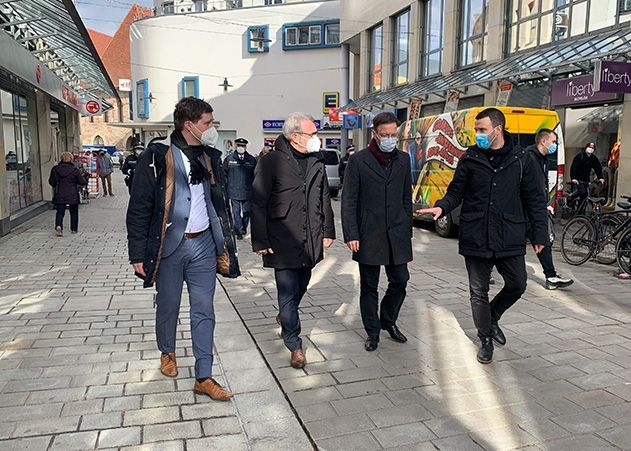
pixel 352 121
pixel 415 109
pixel 330 100
pixel 453 99
pixel 91 108
pixel 124 85
pixel 612 76
pixel 273 125
pixel 70 96
pixel 578 91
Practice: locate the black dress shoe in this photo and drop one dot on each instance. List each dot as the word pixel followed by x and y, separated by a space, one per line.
pixel 395 334
pixel 485 354
pixel 372 343
pixel 498 335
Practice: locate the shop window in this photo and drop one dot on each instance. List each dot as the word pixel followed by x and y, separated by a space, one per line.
pixel 473 31
pixel 273 2
pixel 22 158
pixel 311 35
pixel 433 40
pixel 142 98
pixel 376 57
pixel 168 8
pixel 625 6
pixel 189 87
pixel 258 39
pixel 401 50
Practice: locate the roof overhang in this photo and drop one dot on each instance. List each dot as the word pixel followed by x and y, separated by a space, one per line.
pixel 576 55
pixel 55 36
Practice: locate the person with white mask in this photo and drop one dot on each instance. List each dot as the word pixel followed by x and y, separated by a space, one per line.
pixel 581 171
pixel 239 169
pixel 377 224
pixel 292 220
pixel 177 228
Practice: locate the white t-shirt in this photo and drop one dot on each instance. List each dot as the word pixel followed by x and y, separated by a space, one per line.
pixel 198 216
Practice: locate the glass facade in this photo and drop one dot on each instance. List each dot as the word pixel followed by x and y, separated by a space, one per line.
pixel 538 22
pixel 401 51
pixel 21 149
pixel 433 40
pixel 473 31
pixel 376 56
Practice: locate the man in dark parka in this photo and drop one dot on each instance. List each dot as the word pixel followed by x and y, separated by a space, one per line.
pixel 377 223
pixel 292 220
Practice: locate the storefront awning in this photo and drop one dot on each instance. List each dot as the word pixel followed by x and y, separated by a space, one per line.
pixel 55 35
pixel 543 62
pixel 603 114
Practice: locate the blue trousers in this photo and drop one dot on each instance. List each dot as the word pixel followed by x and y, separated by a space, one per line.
pixel 292 286
pixel 240 215
pixel 193 262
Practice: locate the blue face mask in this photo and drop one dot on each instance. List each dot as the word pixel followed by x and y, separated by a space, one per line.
pixel 482 141
pixel 552 149
pixel 387 144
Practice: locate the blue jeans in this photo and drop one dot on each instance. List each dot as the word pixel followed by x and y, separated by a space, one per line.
pixel 193 262
pixel 292 286
pixel 240 215
pixel 74 216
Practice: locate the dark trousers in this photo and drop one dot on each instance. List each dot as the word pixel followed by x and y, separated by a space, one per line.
pixel 74 216
pixel 292 286
pixel 545 258
pixel 107 184
pixel 193 262
pixel 374 317
pixel 512 270
pixel 240 215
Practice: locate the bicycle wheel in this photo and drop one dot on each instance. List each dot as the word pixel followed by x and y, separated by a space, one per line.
pixel 623 251
pixel 606 252
pixel 578 241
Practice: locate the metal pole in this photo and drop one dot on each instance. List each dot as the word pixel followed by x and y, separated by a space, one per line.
pixel 346 50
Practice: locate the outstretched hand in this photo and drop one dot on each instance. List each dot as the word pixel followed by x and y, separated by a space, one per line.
pixel 436 212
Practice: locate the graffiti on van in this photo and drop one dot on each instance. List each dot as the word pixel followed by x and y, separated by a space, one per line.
pixel 435 146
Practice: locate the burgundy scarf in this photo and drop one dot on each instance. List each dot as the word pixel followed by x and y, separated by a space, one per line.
pixel 382 157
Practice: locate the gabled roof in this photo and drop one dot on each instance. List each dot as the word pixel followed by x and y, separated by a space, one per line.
pixel 100 41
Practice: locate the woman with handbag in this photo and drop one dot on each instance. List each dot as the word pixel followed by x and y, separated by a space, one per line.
pixel 66 180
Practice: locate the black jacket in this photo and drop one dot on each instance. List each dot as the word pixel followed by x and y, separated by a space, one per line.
pixel 147 216
pixel 129 165
pixel 291 213
pixel 66 179
pixel 239 175
pixel 341 169
pixel 377 209
pixel 497 203
pixel 582 166
pixel 542 164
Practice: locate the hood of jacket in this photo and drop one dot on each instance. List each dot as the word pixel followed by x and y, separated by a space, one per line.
pixel 65 169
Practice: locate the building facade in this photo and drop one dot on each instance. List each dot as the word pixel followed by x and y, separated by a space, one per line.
pixel 254 65
pixel 449 54
pixel 166 7
pixel 45 79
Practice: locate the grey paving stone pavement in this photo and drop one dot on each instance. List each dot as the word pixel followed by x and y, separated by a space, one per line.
pixel 79 367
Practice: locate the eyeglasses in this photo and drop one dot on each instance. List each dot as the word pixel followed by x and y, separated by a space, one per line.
pixel 386 136
pixel 310 135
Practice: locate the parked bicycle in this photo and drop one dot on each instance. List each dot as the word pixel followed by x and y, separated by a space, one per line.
pixel 598 236
pixel 570 204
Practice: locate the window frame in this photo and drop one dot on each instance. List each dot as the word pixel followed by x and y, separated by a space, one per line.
pixel 142 86
pixel 425 53
pixel 194 79
pixel 463 41
pixel 371 59
pixel 396 63
pixel 251 47
pixel 326 33
pixel 322 44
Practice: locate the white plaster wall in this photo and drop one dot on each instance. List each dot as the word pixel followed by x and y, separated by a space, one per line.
pixel 213 45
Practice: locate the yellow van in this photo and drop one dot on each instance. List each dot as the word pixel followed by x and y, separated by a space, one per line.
pixel 435 144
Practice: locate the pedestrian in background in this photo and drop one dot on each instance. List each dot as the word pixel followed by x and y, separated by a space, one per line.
pixel 105 167
pixel 129 165
pixel 66 180
pixel 499 186
pixel 341 170
pixel 581 170
pixel 377 223
pixel 175 234
pixel 239 170
pixel 546 145
pixel 292 220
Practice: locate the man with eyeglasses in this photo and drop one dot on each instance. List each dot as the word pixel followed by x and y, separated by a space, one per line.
pixel 292 220
pixel 377 223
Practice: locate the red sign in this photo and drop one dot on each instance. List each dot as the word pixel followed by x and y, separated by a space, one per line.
pixel 92 107
pixel 70 96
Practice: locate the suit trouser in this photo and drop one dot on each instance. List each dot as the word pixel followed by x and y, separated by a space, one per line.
pixel 374 317
pixel 240 215
pixel 193 262
pixel 512 270
pixel 291 285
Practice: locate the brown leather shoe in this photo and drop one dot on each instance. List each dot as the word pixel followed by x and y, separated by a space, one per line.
pixel 211 388
pixel 298 359
pixel 168 365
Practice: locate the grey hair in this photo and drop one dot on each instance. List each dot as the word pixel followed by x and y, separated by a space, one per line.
pixel 293 123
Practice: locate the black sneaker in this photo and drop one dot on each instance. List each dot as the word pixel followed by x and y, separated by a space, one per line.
pixel 552 283
pixel 485 354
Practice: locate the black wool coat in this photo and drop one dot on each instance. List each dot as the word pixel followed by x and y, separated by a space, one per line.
pixel 497 204
pixel 66 179
pixel 377 208
pixel 291 213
